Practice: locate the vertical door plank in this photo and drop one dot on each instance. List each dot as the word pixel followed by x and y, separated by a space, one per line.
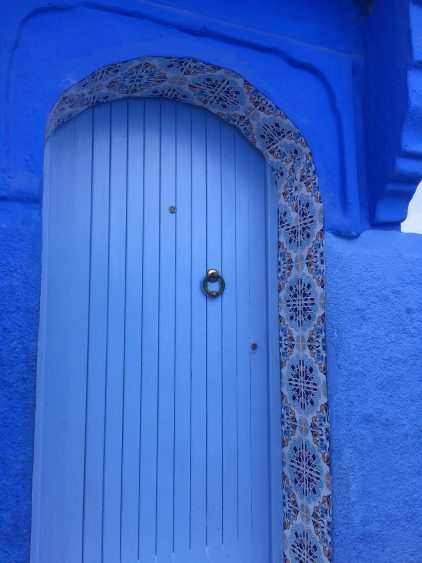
pixel 243 210
pixel 42 343
pixel 78 347
pixel 166 370
pixel 150 334
pixel 183 281
pixel 259 360
pixel 93 487
pixel 214 349
pixel 51 440
pixel 198 516
pixel 274 380
pixel 133 331
pixel 66 354
pixel 116 334
pixel 229 340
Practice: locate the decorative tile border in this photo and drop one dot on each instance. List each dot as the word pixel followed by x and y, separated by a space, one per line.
pixel 305 421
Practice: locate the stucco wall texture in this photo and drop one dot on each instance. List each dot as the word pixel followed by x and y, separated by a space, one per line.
pixel 20 231
pixel 374 333
pixel 307 56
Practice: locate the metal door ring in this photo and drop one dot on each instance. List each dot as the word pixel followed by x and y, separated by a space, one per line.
pixel 213 276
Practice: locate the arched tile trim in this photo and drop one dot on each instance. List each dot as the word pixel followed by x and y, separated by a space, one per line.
pixel 305 422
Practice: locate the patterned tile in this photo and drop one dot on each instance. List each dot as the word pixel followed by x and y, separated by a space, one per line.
pixel 305 420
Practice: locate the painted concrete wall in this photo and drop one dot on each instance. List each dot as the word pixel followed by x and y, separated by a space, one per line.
pixel 19 311
pixel 307 56
pixel 392 106
pixel 374 328
pixel 304 55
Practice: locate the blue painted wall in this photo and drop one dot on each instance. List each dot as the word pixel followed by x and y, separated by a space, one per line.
pixel 374 327
pixel 303 55
pixel 19 308
pixel 391 85
pixel 318 61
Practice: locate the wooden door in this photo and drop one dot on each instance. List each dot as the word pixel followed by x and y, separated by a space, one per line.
pixel 157 414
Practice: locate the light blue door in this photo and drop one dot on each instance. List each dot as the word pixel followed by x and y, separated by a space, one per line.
pixel 157 434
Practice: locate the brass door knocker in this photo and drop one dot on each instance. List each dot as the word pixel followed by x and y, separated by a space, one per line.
pixel 213 276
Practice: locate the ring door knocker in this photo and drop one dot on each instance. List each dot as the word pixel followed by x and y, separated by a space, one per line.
pixel 213 276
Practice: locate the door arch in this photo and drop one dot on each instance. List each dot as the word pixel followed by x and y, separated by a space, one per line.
pixel 306 503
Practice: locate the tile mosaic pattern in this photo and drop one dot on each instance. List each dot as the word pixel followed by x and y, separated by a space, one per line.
pixel 305 422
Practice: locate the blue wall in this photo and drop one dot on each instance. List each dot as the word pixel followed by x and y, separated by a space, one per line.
pixel 392 106
pixel 19 308
pixel 310 57
pixel 302 54
pixel 374 328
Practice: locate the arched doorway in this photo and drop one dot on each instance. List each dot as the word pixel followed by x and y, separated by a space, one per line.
pixel 306 504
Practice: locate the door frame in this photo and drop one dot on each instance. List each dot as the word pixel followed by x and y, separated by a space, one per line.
pixel 299 309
